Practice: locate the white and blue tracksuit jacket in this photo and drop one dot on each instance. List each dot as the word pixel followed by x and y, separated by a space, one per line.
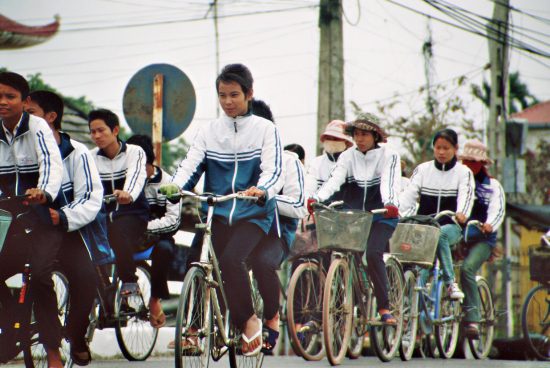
pixel 30 159
pixel 235 154
pixel 370 180
pixel 489 207
pixel 437 187
pixel 80 199
pixel 165 216
pixel 319 171
pixel 126 171
pixel 291 202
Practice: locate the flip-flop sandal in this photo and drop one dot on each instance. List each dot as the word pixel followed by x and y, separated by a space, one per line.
pixel 472 330
pixel 270 339
pixel 249 340
pixel 158 321
pixel 388 319
pixel 188 343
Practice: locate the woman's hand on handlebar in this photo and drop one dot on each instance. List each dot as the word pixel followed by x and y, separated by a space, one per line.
pixel 35 196
pixel 486 228
pixel 460 218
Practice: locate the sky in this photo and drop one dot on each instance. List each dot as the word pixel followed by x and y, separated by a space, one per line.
pixel 102 44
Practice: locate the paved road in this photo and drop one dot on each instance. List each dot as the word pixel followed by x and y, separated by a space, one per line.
pixel 294 362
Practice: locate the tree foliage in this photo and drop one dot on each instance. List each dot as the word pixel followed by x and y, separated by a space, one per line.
pixel 538 172
pixel 415 129
pixel 519 97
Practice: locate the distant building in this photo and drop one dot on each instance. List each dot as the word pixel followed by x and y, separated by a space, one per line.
pixel 75 123
pixel 538 120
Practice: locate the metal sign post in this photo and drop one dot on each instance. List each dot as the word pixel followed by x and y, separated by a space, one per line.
pixel 157 117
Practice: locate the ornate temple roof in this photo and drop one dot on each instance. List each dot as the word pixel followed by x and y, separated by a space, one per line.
pixel 14 35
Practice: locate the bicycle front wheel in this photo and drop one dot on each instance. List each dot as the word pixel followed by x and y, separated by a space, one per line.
pixel 410 317
pixel 446 328
pixel 304 306
pixel 193 322
pixel 535 321
pixel 386 339
pixel 135 335
pixel 337 305
pixel 481 347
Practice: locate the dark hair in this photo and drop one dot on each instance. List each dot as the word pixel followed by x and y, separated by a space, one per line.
pixel 16 81
pixel 448 134
pixel 49 102
pixel 236 73
pixel 145 142
pixel 260 108
pixel 109 117
pixel 297 149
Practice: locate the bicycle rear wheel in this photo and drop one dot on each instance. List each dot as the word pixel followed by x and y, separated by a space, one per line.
pixel 135 335
pixel 193 322
pixel 447 324
pixel 337 305
pixel 386 339
pixel 304 306
pixel 535 321
pixel 410 317
pixel 480 348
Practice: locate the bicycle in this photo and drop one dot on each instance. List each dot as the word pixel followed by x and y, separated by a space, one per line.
pixel 348 301
pixel 19 335
pixel 535 313
pixel 128 315
pixel 427 306
pixel 203 331
pixel 304 304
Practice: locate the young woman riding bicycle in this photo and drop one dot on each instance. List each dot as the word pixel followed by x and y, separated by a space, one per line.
pixel 237 152
pixel 370 175
pixel 489 209
pixel 438 185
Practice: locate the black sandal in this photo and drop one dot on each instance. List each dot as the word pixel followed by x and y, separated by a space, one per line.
pixel 76 356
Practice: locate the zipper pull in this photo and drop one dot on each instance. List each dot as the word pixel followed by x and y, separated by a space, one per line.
pixel 235 126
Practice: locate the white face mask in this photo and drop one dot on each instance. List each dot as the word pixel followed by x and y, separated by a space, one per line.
pixel 334 146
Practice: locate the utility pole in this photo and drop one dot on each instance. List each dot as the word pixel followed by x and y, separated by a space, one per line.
pixel 427 51
pixel 214 4
pixel 497 30
pixel 330 103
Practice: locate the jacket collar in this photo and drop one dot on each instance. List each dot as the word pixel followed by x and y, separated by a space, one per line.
pixel 157 176
pixel 120 150
pixel 65 145
pixel 333 156
pixel 22 127
pixel 448 166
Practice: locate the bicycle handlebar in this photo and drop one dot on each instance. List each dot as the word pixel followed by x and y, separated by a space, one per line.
pixel 109 198
pixel 213 198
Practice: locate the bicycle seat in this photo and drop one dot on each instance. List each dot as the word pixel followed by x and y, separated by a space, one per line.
pixel 144 254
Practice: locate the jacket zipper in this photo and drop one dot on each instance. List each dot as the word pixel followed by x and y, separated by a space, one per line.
pixel 439 196
pixel 234 174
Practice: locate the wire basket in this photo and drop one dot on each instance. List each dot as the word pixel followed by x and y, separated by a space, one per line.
pixel 415 243
pixel 538 264
pixel 343 230
pixel 5 221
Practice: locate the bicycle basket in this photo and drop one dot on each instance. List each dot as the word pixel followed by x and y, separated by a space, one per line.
pixel 415 243
pixel 5 221
pixel 343 230
pixel 538 264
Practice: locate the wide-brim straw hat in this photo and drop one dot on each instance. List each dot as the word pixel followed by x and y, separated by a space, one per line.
pixel 368 122
pixel 337 129
pixel 474 150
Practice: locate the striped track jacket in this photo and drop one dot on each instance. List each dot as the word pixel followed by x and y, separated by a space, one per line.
pixel 235 154
pixel 165 216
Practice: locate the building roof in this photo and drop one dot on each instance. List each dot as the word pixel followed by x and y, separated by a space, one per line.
pixel 14 35
pixel 536 114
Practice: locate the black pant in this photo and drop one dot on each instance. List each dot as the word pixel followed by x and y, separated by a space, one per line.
pixel 125 233
pixel 233 245
pixel 161 264
pixel 265 260
pixel 38 248
pixel 76 264
pixel 377 244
